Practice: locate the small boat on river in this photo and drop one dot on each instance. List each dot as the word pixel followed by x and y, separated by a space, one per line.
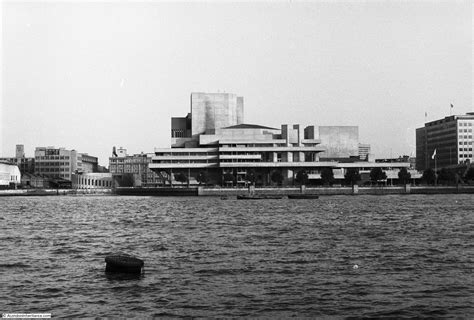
pixel 303 196
pixel 255 197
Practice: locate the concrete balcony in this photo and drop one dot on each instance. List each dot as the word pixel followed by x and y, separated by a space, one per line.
pixel 184 150
pixel 158 166
pixel 185 157
pixel 276 164
pixel 254 141
pixel 242 156
pixel 273 149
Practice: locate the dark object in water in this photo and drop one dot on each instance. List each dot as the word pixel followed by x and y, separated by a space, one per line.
pixel 245 197
pixel 123 263
pixel 303 196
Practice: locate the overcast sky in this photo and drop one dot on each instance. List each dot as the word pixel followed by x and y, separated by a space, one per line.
pixel 90 76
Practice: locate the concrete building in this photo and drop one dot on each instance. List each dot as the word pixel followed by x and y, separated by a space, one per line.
pixel 209 111
pixel 364 151
pixel 61 163
pixel 10 176
pixel 445 142
pixel 29 180
pixel 240 153
pixel 94 180
pixel 133 169
pixel 339 141
pixel 26 165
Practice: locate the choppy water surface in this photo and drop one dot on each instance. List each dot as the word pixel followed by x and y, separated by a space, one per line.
pixel 208 257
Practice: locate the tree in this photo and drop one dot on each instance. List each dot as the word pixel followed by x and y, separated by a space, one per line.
pixel 202 177
pixel 327 176
pixel 302 177
pixel 446 176
pixel 180 177
pixel 404 176
pixel 251 176
pixel 469 174
pixel 377 174
pixel 352 176
pixel 228 178
pixel 429 176
pixel 276 177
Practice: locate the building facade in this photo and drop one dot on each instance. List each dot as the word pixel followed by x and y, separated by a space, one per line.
pixel 364 151
pixel 239 154
pixel 94 180
pixel 240 151
pixel 26 165
pixel 10 176
pixel 339 141
pixel 133 170
pixel 445 142
pixel 61 163
pixel 209 111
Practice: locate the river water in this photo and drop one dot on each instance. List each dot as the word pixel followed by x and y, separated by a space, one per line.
pixel 213 258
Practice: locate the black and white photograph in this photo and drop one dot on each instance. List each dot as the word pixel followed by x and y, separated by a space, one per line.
pixel 236 159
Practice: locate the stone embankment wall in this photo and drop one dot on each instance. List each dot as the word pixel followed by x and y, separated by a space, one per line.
pixel 338 190
pixel 54 192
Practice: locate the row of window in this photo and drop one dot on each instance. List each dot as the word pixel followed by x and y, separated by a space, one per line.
pixel 143 160
pixel 465 155
pixel 59 175
pixel 252 145
pixel 40 170
pixel 187 161
pixel 178 133
pixel 465 143
pixel 465 130
pixel 96 183
pixel 51 164
pixel 52 158
pixel 465 149
pixel 186 154
pixel 465 124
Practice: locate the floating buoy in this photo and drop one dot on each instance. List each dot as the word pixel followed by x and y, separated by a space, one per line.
pixel 355 267
pixel 123 263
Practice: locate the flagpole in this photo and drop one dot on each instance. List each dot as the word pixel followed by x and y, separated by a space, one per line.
pixel 436 174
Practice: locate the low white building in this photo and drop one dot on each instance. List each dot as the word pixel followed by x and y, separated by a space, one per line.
pixel 92 180
pixel 10 176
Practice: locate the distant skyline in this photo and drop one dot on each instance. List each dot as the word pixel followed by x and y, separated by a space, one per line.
pixel 93 75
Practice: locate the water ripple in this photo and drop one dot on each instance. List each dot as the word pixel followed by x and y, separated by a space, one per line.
pixel 225 259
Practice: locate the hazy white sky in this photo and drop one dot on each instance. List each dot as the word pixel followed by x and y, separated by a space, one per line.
pixel 90 76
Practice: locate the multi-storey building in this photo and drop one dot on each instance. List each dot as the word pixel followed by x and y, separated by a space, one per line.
pixel 339 141
pixel 229 151
pixel 208 112
pixel 26 165
pixel 364 151
pixel 136 166
pixel 445 142
pixel 62 163
pixel 89 163
pixel 240 150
